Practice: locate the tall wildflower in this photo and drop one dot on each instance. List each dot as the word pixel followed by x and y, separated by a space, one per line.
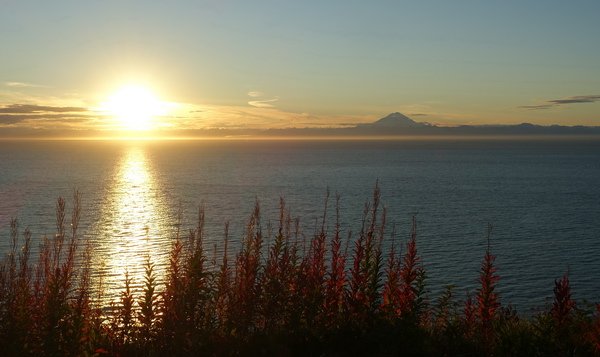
pixel 391 287
pixel 173 307
pixel 336 282
pixel 488 301
pixel 196 277
pixel 356 298
pixel 373 254
pixel 223 287
pixel 563 303
pixel 364 298
pixel 409 273
pixel 314 272
pixel 275 280
pixel 404 289
pixel 247 267
pixel 148 303
pixel 469 317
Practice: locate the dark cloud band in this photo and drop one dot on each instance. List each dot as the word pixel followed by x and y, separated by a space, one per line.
pixel 17 118
pixel 571 100
pixel 17 113
pixel 577 99
pixel 30 108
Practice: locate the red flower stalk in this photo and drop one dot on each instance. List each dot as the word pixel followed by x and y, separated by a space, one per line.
pixel 336 282
pixel 409 273
pixel 357 299
pixel 223 283
pixel 469 316
pixel 563 303
pixel 391 288
pixel 247 266
pixel 487 299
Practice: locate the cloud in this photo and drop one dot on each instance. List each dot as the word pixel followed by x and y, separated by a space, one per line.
pixel 557 102
pixel 418 115
pixel 12 119
pixel 255 94
pixel 31 108
pixel 577 99
pixel 255 118
pixel 23 85
pixel 537 107
pixel 261 103
pixel 45 115
pixel 17 118
pixel 48 118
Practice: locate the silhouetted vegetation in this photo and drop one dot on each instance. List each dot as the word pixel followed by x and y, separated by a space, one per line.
pixel 325 294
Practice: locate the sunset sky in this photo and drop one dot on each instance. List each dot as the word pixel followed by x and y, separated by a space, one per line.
pixel 275 64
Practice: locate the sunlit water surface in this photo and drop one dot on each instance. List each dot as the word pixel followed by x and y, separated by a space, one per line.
pixel 132 223
pixel 543 199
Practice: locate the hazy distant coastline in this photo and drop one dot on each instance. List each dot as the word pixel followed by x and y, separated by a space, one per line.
pixel 394 125
pixel 397 124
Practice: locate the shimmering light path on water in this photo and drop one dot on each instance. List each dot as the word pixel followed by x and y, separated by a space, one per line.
pixel 131 223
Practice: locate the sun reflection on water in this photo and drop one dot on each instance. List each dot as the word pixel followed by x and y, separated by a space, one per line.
pixel 133 227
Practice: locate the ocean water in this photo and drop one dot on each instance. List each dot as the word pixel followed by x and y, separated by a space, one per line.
pixel 541 197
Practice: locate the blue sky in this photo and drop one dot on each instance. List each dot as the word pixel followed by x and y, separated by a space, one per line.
pixel 292 63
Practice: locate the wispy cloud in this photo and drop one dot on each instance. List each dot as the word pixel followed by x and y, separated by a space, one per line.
pixel 266 103
pixel 251 117
pixel 32 108
pixel 577 99
pixel 39 118
pixel 557 102
pixel 537 106
pixel 12 119
pixel 259 102
pixel 23 85
pixel 18 118
pixel 27 114
pixel 255 94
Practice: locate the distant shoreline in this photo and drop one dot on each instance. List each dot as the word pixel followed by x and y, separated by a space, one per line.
pixel 465 138
pixel 395 126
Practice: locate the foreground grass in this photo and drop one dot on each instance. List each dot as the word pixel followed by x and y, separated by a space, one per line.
pixel 321 295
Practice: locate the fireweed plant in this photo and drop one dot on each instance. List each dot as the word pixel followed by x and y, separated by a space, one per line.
pixel 282 293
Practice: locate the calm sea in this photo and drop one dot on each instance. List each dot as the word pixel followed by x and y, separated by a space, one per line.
pixel 542 198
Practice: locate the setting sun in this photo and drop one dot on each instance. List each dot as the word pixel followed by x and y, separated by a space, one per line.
pixel 135 107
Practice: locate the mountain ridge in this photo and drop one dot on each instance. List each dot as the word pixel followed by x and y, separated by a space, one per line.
pixel 396 119
pixel 398 124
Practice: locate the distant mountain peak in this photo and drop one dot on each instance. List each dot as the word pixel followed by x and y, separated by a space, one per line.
pixel 396 120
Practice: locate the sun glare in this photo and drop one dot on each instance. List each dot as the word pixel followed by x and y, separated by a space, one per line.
pixel 135 107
